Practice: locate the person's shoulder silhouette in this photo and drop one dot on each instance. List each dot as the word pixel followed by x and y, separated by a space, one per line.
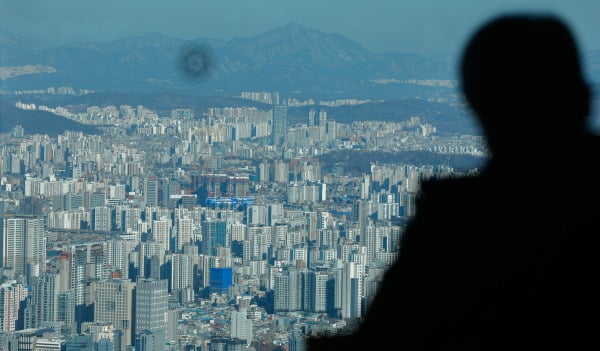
pixel 504 260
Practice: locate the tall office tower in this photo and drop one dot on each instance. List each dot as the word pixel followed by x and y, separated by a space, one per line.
pixel 101 218
pixel 151 304
pixel 316 292
pixel 323 118
pixel 281 173
pixel 118 217
pixel 395 237
pixel 238 231
pixel 372 281
pixel 117 259
pixel 346 248
pixel 17 165
pixel 96 264
pixel 45 300
pixel 362 211
pixel 167 188
pixel 408 202
pixel 77 201
pixel 95 199
pixel 337 273
pixel 185 231
pixel 182 271
pixel 331 130
pixel 150 214
pixel 173 317
pixel 298 255
pixel 114 304
pixel 351 292
pixel 312 223
pixel 260 240
pixel 214 233
pixel 241 326
pixel 161 232
pixel 372 240
pixel 256 215
pixel 66 311
pixel 35 247
pixel 154 269
pixel 12 294
pixel 78 255
pixel 147 251
pixel 151 191
pixel 325 220
pixel 274 213
pixel 288 291
pixel 311 117
pixel 23 246
pixel 279 129
pixel 132 220
pixel 365 187
pixel 117 191
pixel 263 171
pixel 206 264
pixel 279 236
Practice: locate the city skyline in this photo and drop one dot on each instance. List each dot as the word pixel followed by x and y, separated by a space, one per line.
pixel 261 199
pixel 229 214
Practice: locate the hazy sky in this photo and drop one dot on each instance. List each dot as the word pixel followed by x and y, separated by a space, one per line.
pixel 421 26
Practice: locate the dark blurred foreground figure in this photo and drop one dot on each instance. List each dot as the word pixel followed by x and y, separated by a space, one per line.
pixel 506 260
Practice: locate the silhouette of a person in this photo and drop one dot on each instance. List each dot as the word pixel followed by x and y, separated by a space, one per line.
pixel 507 259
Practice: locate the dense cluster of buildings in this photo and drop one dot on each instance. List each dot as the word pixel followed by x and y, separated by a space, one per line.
pixel 223 232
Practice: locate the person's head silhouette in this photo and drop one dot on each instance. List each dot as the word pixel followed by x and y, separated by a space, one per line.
pixel 522 77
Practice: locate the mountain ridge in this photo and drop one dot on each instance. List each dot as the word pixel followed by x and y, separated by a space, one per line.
pixel 287 58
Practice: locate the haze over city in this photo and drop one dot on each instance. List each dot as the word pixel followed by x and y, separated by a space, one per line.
pixel 431 27
pixel 225 174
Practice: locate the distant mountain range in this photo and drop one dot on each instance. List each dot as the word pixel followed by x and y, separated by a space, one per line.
pixel 290 58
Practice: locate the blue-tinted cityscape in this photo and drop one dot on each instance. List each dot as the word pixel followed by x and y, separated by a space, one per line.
pixel 162 194
pixel 223 228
